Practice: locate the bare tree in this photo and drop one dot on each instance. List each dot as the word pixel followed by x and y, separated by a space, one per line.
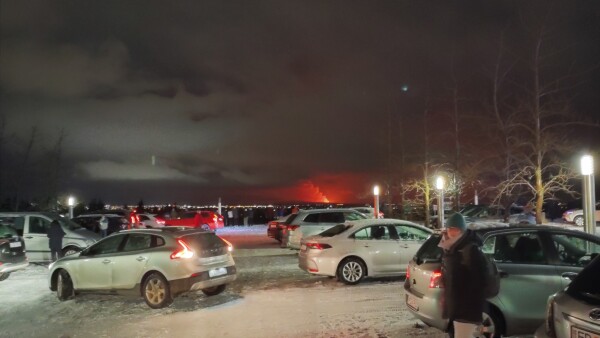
pixel 23 174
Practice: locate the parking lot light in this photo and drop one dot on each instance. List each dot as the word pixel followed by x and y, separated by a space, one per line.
pixel 376 201
pixel 71 204
pixel 439 184
pixel 589 194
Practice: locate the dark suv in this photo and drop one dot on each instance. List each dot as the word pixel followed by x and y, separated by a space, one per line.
pixel 12 250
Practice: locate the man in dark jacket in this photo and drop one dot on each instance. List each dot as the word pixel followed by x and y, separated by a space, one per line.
pixel 463 272
pixel 55 234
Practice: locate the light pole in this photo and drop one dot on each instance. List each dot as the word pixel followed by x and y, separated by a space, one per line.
pixel 439 184
pixel 589 194
pixel 376 201
pixel 71 203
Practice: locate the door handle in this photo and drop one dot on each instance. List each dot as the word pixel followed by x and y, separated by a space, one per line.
pixel 366 246
pixel 106 261
pixel 29 237
pixel 405 246
pixel 140 258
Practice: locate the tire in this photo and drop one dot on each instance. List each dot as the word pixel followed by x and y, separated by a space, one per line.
pixel 64 286
pixel 351 271
pixel 215 290
pixel 4 276
pixel 493 324
pixel 156 291
pixel 205 227
pixel 578 220
pixel 70 250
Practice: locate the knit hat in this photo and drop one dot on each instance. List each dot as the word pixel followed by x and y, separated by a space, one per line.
pixel 456 221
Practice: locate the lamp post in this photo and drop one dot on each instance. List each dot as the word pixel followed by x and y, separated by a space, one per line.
pixel 589 194
pixel 71 203
pixel 439 184
pixel 376 201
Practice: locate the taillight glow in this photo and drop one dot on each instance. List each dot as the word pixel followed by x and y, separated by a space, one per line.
pixel 408 272
pixel 292 227
pixel 184 252
pixel 435 282
pixel 317 246
pixel 229 245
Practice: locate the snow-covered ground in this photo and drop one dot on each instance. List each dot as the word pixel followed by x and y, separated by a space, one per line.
pixel 272 297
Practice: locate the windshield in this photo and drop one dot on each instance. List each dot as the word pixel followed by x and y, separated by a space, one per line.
pixel 7 231
pixel 337 229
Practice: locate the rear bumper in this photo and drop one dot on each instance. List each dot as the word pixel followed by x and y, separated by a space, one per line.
pixel 426 307
pixel 201 281
pixel 317 265
pixel 10 267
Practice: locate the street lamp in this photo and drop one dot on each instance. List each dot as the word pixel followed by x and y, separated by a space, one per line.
pixel 439 184
pixel 589 194
pixel 71 204
pixel 376 201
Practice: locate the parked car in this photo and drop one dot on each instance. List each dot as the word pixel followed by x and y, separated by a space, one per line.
pixel 149 221
pixel 533 263
pixel 576 216
pixel 159 264
pixel 313 221
pixel 357 249
pixel 522 218
pixel 208 220
pixel 33 227
pixel 275 227
pixel 12 251
pixel 575 311
pixel 91 222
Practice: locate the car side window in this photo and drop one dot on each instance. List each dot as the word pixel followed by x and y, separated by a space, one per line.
pixel 157 241
pixel 138 242
pixel 38 225
pixel 331 217
pixel 521 248
pixel 409 233
pixel 353 216
pixel 188 215
pixel 311 218
pixel 363 234
pixel 17 223
pixel 379 232
pixel 109 245
pixel 573 250
pixel 143 217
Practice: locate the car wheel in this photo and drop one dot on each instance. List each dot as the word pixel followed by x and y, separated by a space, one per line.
pixel 205 227
pixel 492 324
pixel 578 220
pixel 351 271
pixel 64 286
pixel 4 276
pixel 156 291
pixel 215 290
pixel 70 251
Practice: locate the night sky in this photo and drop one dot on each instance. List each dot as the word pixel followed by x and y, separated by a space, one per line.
pixel 250 101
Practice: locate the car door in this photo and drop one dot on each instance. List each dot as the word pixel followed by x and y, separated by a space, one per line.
pixel 129 264
pixel 572 253
pixel 375 244
pixel 410 240
pixel 528 278
pixel 37 242
pixel 95 264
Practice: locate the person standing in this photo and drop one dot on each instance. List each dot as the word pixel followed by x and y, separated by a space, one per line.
pixel 463 277
pixel 103 226
pixel 55 234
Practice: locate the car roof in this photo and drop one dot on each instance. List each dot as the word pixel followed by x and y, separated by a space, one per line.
pixel 312 211
pixel 169 230
pixel 484 229
pixel 383 221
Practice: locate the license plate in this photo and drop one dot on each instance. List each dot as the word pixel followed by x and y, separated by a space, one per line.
pixel 411 301
pixel 217 272
pixel 580 333
pixel 15 244
pixel 303 247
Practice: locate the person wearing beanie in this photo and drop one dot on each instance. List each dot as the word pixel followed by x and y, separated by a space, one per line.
pixel 463 272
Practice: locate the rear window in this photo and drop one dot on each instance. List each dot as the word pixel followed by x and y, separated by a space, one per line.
pixel 429 251
pixel 586 286
pixel 206 244
pixel 290 219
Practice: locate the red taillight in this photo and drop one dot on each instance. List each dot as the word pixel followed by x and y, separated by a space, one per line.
pixel 160 221
pixel 435 282
pixel 229 245
pixel 215 218
pixel 318 246
pixel 407 272
pixel 183 252
pixel 292 227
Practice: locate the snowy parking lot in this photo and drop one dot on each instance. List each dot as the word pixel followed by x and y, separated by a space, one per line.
pixel 272 297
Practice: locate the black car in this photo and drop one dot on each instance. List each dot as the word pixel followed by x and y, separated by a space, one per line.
pixel 12 250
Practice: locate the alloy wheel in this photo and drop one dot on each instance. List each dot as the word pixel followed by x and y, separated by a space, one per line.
pixel 352 271
pixel 155 291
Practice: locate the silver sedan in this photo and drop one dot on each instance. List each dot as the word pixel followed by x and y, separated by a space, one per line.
pixel 354 250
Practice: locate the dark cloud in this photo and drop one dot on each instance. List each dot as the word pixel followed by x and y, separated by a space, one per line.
pixel 237 95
